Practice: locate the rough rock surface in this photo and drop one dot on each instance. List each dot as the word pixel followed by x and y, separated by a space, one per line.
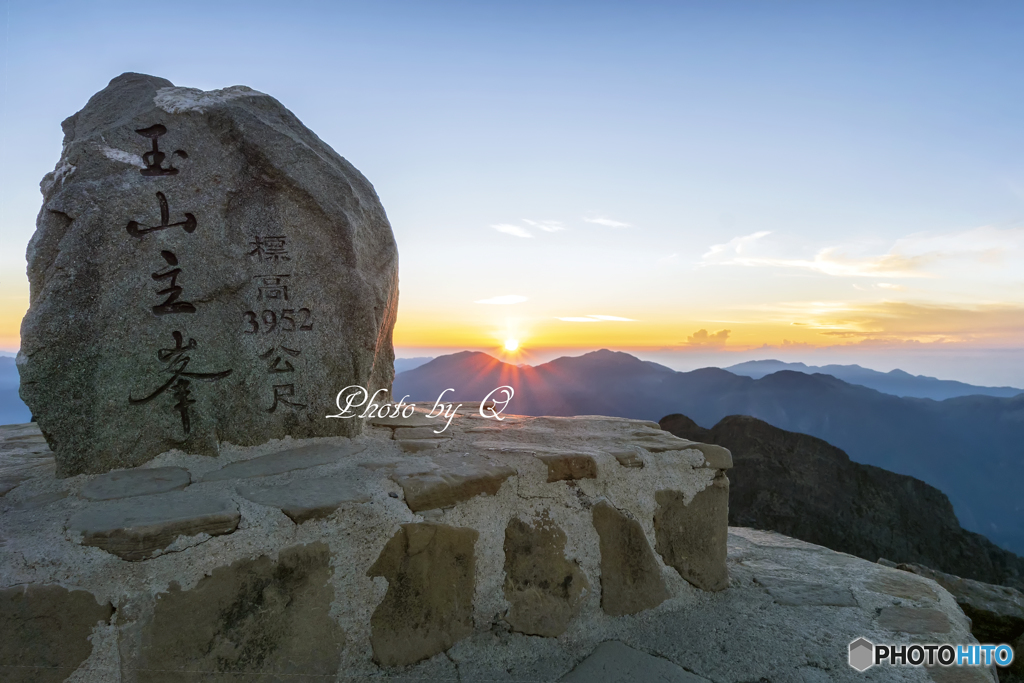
pixel 543 588
pixel 264 616
pixel 806 488
pixel 741 634
pixel 631 579
pixel 204 269
pixel 615 662
pixel 45 631
pixel 996 612
pixel 428 607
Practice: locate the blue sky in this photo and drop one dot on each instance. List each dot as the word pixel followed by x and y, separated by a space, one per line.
pixel 836 181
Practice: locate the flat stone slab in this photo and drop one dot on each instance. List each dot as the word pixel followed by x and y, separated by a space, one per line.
pixel 445 480
pixel 422 432
pixel 901 587
pixel 300 458
pixel 418 445
pixel 417 419
pixel 307 499
pixel 136 528
pixel 136 482
pixel 914 620
pixel 798 594
pixel 615 662
pixel 40 500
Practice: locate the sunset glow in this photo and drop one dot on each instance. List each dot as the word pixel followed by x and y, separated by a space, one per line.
pixel 843 195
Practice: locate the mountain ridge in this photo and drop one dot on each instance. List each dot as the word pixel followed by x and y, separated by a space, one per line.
pixel 969 447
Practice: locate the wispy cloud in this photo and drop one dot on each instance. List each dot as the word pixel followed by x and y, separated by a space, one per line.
pixel 921 255
pixel 506 300
pixel 546 226
pixel 893 321
pixel 703 339
pixel 597 319
pixel 511 229
pixel 607 222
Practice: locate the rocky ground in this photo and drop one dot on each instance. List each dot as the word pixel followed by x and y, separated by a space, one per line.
pixel 535 549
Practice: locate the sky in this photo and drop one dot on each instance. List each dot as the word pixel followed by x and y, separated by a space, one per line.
pixel 697 183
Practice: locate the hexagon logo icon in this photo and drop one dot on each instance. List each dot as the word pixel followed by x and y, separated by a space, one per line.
pixel 862 654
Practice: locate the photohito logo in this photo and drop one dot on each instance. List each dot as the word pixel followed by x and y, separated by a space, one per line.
pixel 864 654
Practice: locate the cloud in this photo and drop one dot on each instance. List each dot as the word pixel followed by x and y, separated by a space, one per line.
pixel 898 322
pixel 735 246
pixel 597 319
pixel 510 229
pixel 607 222
pixel 503 300
pixel 920 255
pixel 546 226
pixel 703 339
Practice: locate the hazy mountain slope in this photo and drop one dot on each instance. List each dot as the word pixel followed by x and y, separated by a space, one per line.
pixel 971 448
pixel 896 382
pixel 806 488
pixel 12 409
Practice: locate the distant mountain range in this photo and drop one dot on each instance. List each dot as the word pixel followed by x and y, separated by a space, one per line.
pixel 806 488
pixel 970 447
pixel 12 409
pixel 895 382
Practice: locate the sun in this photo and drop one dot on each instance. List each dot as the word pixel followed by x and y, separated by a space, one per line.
pixel 511 344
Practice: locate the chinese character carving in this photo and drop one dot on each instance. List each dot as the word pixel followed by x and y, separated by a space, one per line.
pixel 173 291
pixel 154 158
pixel 281 392
pixel 276 365
pixel 270 248
pixel 272 287
pixel 188 225
pixel 176 361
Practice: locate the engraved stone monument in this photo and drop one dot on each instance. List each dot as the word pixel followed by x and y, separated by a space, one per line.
pixel 205 269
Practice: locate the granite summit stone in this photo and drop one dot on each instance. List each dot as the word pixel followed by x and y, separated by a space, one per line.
pixel 204 269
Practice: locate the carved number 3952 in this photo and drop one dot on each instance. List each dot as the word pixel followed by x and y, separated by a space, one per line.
pixel 270 320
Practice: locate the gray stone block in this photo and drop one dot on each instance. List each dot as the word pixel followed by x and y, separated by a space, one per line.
pixel 136 482
pixel 300 458
pixel 307 499
pixel 135 528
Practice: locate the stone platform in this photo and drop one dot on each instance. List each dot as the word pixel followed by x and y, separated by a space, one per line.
pixel 531 549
